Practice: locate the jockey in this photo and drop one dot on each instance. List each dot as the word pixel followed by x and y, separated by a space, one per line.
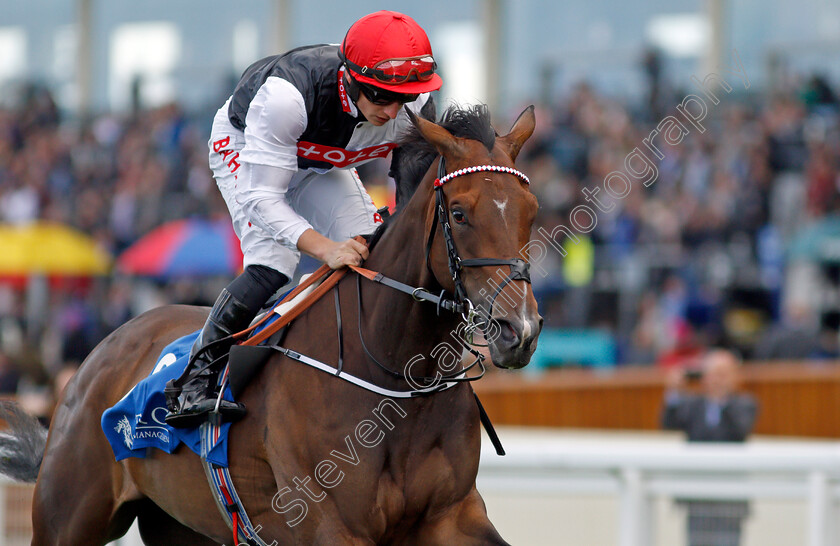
pixel 291 120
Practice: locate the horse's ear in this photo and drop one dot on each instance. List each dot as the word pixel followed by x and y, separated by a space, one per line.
pixel 437 136
pixel 521 131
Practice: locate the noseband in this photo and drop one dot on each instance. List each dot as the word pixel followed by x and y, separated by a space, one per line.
pixel 520 270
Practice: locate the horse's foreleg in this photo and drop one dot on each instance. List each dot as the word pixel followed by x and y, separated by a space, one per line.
pixel 465 523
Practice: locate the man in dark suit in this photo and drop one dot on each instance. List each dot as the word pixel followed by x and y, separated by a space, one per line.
pixel 720 414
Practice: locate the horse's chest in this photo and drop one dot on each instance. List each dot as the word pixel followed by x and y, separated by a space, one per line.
pixel 429 481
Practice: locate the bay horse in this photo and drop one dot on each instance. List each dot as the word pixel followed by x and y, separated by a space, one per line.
pixel 416 483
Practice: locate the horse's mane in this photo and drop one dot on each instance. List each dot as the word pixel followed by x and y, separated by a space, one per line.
pixel 415 155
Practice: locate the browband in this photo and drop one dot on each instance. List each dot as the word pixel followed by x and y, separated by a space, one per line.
pixel 480 168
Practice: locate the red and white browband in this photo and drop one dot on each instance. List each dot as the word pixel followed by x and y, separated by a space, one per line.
pixel 480 168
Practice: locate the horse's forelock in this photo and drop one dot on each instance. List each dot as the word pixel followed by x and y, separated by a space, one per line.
pixel 415 155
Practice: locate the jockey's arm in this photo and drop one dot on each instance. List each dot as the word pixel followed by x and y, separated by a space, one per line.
pixel 263 198
pixel 264 202
pixel 334 254
pixel 271 154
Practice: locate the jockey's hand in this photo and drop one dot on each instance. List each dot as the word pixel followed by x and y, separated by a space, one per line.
pixel 349 252
pixel 335 254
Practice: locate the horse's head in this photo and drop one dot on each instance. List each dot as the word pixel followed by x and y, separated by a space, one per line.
pixel 487 214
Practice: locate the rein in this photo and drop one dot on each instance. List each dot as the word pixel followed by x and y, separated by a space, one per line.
pixel 519 270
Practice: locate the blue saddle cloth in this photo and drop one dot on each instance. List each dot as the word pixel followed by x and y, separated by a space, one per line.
pixel 135 423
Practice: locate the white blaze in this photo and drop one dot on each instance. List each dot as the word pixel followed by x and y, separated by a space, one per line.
pixel 502 205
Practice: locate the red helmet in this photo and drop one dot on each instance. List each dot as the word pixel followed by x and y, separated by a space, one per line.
pixel 390 51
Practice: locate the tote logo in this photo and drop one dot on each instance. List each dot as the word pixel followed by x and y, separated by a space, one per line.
pixel 339 157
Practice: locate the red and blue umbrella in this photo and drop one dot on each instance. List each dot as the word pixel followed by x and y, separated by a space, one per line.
pixel 184 248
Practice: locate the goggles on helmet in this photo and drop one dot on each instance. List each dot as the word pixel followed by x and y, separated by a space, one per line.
pixel 397 71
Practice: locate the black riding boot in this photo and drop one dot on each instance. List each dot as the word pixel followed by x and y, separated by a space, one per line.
pixel 189 405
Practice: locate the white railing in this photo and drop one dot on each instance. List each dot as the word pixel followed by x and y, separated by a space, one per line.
pixel 636 471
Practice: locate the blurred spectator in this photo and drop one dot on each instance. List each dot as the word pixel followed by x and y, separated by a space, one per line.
pixel 719 414
pixel 686 351
pixel 796 337
pixel 36 400
pixel 9 375
pixel 117 308
pixel 818 92
pixel 79 326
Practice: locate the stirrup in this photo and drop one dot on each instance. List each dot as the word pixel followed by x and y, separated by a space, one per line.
pixel 191 408
pixel 198 413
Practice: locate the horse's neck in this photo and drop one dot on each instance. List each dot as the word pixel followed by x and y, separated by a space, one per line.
pixel 406 328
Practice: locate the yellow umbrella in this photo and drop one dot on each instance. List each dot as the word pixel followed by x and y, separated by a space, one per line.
pixel 50 249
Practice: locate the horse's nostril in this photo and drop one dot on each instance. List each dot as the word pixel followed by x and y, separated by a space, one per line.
pixel 508 335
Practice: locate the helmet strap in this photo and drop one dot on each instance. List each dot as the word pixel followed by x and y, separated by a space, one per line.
pixel 352 86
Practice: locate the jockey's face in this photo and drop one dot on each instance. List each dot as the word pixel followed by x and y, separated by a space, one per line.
pixel 375 113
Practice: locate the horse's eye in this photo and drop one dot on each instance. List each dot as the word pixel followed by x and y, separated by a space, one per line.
pixel 459 217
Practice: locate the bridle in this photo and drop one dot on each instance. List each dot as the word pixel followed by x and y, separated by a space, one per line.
pixel 476 318
pixel 520 270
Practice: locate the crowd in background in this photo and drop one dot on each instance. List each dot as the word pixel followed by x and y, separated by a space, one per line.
pixel 114 178
pixel 710 253
pixel 700 257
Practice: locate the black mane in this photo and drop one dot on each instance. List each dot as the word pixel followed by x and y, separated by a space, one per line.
pixel 414 156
